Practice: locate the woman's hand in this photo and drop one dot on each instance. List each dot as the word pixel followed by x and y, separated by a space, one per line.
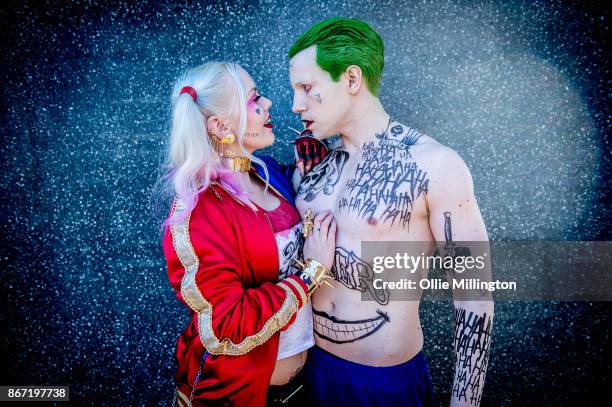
pixel 320 244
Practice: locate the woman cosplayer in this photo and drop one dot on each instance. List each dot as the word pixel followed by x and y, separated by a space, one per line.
pixel 231 243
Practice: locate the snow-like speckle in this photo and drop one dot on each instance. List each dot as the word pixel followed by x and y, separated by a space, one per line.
pixel 518 88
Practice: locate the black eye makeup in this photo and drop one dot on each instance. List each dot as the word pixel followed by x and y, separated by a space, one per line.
pixel 257 95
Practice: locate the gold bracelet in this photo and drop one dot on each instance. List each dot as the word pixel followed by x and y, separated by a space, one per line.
pixel 313 274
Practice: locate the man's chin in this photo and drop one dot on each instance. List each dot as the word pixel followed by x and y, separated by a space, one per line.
pixel 321 136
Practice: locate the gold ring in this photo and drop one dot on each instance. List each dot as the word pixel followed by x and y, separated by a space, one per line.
pixel 308 223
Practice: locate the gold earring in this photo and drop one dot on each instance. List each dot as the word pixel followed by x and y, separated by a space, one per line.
pixel 229 139
pixel 223 143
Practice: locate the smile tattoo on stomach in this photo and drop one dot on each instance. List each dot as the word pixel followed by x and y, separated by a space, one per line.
pixel 337 330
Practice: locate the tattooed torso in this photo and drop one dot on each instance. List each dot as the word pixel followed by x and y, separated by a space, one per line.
pixel 376 194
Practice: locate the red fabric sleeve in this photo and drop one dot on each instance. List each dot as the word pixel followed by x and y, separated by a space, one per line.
pixel 232 319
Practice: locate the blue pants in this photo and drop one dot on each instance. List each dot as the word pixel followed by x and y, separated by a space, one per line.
pixel 332 381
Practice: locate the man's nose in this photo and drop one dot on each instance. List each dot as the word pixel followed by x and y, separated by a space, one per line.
pixel 298 105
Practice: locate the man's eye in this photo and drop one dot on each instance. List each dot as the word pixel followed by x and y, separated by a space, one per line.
pixel 307 88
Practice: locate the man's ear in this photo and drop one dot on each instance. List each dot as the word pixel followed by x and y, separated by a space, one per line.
pixel 355 79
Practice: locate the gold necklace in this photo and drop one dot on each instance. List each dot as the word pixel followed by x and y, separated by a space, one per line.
pixel 238 164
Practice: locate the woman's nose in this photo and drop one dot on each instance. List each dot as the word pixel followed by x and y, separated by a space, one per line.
pixel 268 103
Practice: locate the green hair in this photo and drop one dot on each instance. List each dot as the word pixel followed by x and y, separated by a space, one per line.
pixel 342 42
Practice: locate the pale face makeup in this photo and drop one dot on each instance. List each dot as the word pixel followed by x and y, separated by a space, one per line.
pixel 259 132
pixel 321 102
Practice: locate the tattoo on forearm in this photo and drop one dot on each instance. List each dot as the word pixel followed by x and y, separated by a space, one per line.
pixel 356 274
pixel 387 182
pixel 337 330
pixel 472 343
pixel 324 176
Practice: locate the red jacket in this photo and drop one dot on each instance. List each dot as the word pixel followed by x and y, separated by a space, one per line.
pixel 223 264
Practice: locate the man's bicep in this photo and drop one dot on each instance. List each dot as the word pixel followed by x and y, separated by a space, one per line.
pixel 459 221
pixel 453 210
pixel 459 230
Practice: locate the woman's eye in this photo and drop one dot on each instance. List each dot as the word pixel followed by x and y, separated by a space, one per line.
pixel 307 88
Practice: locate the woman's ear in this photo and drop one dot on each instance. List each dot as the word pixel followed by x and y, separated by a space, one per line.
pixel 215 127
pixel 354 75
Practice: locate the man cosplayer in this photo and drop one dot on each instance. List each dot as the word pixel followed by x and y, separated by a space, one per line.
pixel 383 181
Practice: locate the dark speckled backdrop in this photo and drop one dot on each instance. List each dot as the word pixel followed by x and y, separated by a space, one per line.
pixel 520 89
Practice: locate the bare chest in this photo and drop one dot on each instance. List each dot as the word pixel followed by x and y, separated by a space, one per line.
pixel 379 191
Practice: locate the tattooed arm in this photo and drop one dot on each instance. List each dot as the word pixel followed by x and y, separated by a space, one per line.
pixel 456 223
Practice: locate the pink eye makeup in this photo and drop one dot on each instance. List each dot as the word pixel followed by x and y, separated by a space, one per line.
pixel 255 97
pixel 253 102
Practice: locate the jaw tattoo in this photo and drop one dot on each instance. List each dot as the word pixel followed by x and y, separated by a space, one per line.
pixel 338 330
